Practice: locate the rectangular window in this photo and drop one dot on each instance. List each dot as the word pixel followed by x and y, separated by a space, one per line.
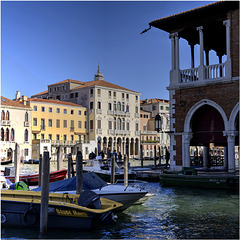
pixel 64 137
pixel 91 105
pixel 72 123
pixel 79 124
pixel 85 113
pixel 58 110
pixel 71 95
pixel 65 111
pixel 35 122
pixel 91 92
pixel 114 94
pixel 43 109
pixel 91 124
pixel 110 125
pixel 127 96
pixel 50 110
pixel 136 126
pixel 50 136
pixel 99 92
pixel 85 124
pixel 154 107
pixel 72 137
pixel 65 123
pixel 42 136
pixel 76 94
pixel 99 124
pixel 49 122
pixel 122 95
pixel 109 106
pixel 72 112
pixel 109 94
pixel 99 105
pixel 35 108
pixel 167 108
pixel 42 124
pixel 58 123
pixel 26 151
pixel 57 137
pixel 127 126
pixel 136 109
pixel 79 112
pixel 136 98
pixel 161 107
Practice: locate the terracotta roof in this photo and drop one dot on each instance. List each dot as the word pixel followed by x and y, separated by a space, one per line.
pixel 53 101
pixel 153 100
pixel 41 93
pixel 67 80
pixel 8 102
pixel 167 23
pixel 102 83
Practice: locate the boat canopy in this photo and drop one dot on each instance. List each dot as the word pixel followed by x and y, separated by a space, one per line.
pixel 90 181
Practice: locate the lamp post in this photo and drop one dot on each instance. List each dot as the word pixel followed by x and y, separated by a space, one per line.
pixel 158 128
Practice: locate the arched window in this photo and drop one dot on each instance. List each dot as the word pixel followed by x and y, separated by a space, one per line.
pixel 127 108
pixel 2 115
pixel 2 134
pixel 118 124
pixel 123 124
pixel 114 123
pixel 26 135
pixel 123 107
pixel 12 137
pixel 7 135
pixel 7 115
pixel 26 117
pixel 119 106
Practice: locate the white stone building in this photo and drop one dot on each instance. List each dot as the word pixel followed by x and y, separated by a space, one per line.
pixel 16 122
pixel 114 112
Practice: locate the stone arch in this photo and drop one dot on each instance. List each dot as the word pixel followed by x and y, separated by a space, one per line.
pixel 194 108
pixel 233 117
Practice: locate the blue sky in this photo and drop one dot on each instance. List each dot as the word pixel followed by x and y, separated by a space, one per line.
pixel 46 42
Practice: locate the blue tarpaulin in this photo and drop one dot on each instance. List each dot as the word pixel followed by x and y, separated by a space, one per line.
pixel 90 181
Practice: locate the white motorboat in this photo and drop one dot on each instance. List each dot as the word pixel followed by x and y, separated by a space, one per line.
pixel 126 195
pixel 103 169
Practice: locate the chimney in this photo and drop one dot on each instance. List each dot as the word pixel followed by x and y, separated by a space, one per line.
pixel 18 95
pixel 24 99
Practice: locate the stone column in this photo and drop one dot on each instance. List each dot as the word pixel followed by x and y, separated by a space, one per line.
pixel 177 50
pixel 171 36
pixel 201 66
pixel 231 150
pixel 228 68
pixel 227 24
pixel 186 137
pixel 205 156
pixel 192 54
pixel 225 158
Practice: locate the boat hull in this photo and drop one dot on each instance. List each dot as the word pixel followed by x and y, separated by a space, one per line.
pixel 22 208
pixel 32 180
pixel 216 182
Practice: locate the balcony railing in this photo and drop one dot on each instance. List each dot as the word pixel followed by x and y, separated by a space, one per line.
pixel 210 72
pixel 5 122
pixel 99 131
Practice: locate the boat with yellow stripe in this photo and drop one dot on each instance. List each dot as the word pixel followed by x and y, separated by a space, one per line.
pixel 68 211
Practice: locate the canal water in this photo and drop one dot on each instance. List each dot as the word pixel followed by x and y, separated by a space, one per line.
pixel 173 213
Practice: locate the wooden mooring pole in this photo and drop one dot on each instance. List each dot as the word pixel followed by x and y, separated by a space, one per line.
pixel 17 162
pixel 79 173
pixel 40 171
pixel 112 169
pixel 155 157
pixel 141 151
pixel 44 193
pixel 159 150
pixel 59 158
pixel 125 170
pixel 69 164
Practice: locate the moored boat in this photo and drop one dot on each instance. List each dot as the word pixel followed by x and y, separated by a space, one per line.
pixel 32 179
pixel 126 195
pixel 201 181
pixel 65 211
pixel 103 169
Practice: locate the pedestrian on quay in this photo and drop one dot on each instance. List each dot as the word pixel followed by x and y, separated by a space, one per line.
pixel 167 156
pixel 109 154
pixel 115 154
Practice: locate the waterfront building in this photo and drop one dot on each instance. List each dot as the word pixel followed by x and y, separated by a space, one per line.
pixel 16 121
pixel 59 124
pixel 149 136
pixel 114 112
pixel 204 99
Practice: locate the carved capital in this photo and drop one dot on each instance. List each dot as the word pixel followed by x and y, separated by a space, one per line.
pixel 226 23
pixel 230 135
pixel 187 137
pixel 200 29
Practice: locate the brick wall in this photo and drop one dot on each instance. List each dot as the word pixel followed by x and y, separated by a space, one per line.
pixel 225 95
pixel 234 16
